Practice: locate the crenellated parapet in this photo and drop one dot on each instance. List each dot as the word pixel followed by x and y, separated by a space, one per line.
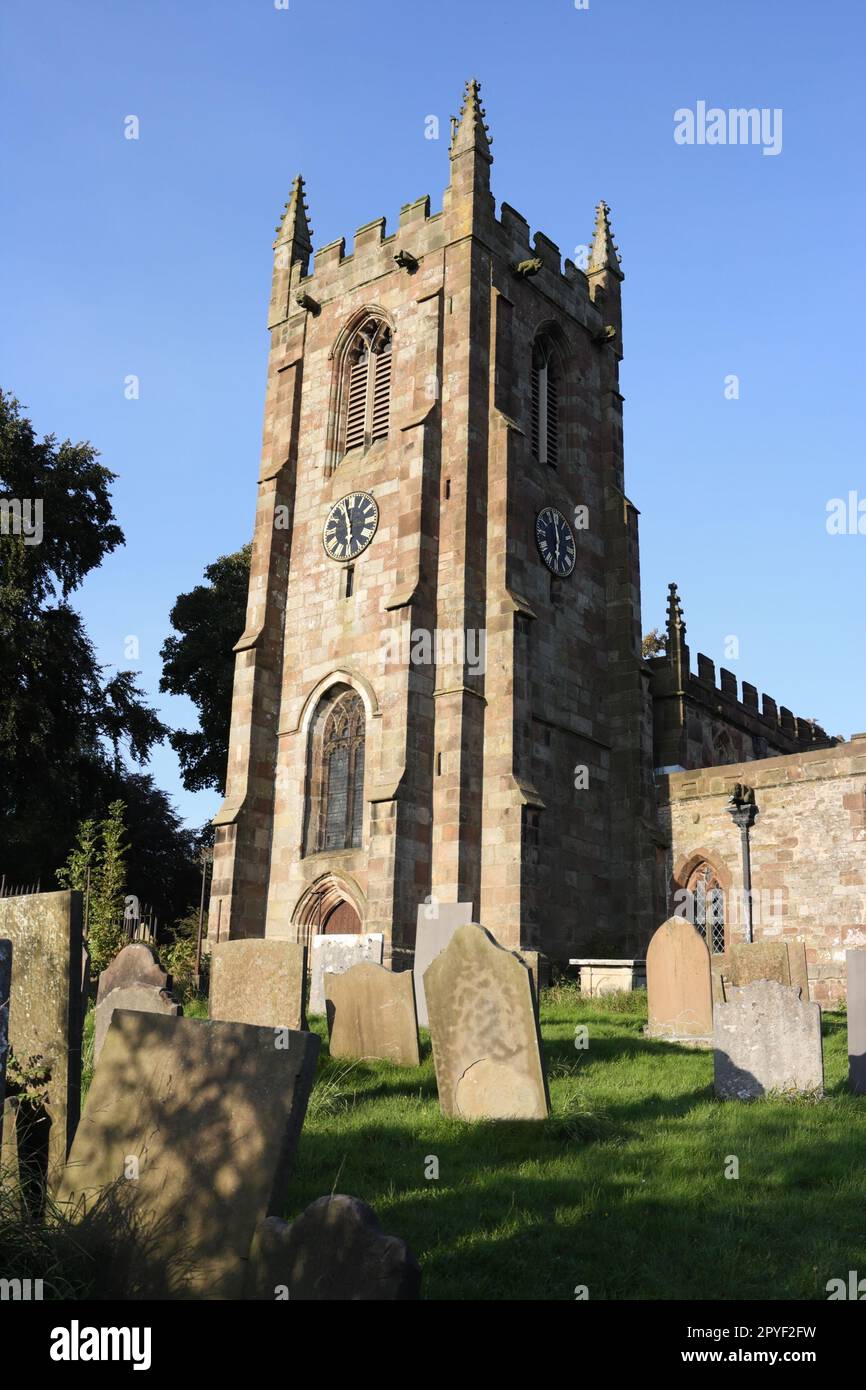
pixel 700 720
pixel 304 277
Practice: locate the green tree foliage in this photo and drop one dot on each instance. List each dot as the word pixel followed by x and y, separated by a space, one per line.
pixel 100 852
pixel 653 644
pixel 63 724
pixel 200 663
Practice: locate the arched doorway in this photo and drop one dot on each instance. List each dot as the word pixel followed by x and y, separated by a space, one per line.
pixel 329 905
pixel 342 919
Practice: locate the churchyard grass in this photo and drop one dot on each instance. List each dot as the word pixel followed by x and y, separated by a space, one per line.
pixel 623 1190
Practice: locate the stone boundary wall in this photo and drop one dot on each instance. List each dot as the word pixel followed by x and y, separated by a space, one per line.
pixel 808 851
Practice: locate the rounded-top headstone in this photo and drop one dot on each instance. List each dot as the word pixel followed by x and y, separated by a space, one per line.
pixel 679 985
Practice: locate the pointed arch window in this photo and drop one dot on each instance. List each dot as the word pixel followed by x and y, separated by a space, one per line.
pixel 366 387
pixel 708 901
pixel 334 813
pixel 545 402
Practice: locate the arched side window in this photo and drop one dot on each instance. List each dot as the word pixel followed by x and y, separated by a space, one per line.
pixel 334 812
pixel 545 402
pixel 708 901
pixel 366 396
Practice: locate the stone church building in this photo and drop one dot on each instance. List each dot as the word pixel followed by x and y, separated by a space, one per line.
pixel 440 694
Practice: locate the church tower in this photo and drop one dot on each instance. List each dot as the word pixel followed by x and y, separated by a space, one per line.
pixel 439 696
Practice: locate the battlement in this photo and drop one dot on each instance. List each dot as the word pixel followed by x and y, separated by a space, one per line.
pixel 699 720
pixel 777 718
pixel 468 208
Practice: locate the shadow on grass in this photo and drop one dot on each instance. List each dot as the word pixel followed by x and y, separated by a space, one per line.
pixel 623 1190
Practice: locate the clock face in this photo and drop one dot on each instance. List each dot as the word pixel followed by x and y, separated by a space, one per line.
pixel 555 541
pixel 350 526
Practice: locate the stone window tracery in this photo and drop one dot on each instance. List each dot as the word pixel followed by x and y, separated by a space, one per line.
pixel 334 816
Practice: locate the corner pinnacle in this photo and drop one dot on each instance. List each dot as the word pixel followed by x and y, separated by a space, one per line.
pixel 604 254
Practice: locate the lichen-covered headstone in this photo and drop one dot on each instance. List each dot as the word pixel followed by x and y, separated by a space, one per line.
pixel 334 1251
pixel 855 962
pixel 339 953
pixel 767 1039
pixel 45 1014
pixel 260 981
pixel 371 1013
pixel 679 986
pixel 185 1144
pixel 133 980
pixel 486 1043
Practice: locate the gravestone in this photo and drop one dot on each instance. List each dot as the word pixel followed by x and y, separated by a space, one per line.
pixel 45 1014
pixel 718 968
pixel 679 988
pixel 437 923
pixel 334 1251
pixel 855 962
pixel 339 953
pixel 766 1039
pixel 10 1168
pixel 797 968
pixel 749 961
pixel 259 981
pixel 133 980
pixel 371 1013
pixel 5 987
pixel 186 1143
pixel 486 1043
pixel 537 963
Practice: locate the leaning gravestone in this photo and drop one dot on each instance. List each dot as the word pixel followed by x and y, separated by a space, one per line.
pixel 133 980
pixel 855 962
pixel 45 1015
pixel 339 953
pixel 437 923
pixel 679 987
pixel 767 1039
pixel 486 1043
pixel 5 986
pixel 260 981
pixel 186 1143
pixel 334 1251
pixel 371 1013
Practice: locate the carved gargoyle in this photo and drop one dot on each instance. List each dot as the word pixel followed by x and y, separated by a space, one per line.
pixel 526 268
pixel 306 301
pixel 406 261
pixel 742 796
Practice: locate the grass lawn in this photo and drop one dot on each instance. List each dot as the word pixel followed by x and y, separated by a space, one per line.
pixel 622 1190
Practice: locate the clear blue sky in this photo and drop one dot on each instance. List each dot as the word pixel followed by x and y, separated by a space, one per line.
pixel 152 257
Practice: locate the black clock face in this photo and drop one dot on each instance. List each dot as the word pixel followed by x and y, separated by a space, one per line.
pixel 555 541
pixel 350 526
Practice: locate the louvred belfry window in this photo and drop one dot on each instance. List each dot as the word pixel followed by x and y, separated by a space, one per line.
pixel 367 387
pixel 544 403
pixel 335 787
